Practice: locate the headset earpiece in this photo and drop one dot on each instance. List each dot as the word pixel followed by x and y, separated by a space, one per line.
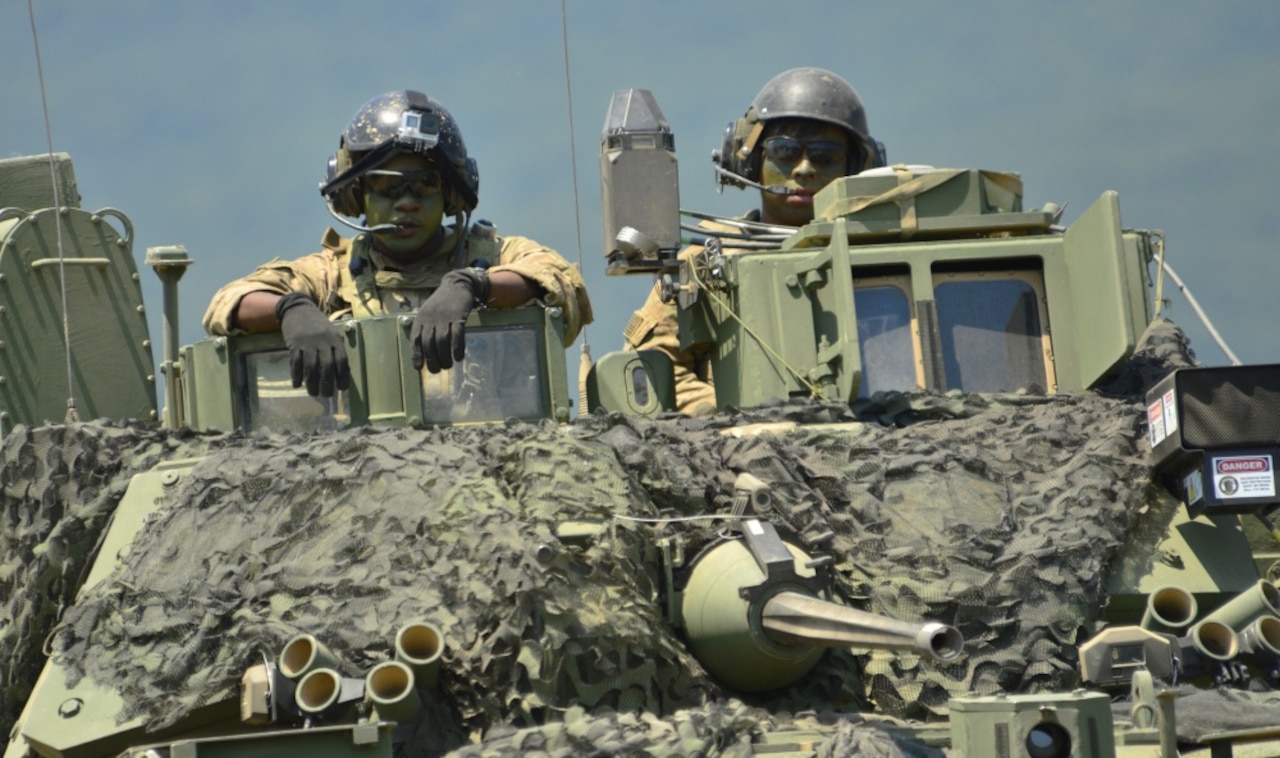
pixel 737 153
pixel 456 200
pixel 723 158
pixel 348 199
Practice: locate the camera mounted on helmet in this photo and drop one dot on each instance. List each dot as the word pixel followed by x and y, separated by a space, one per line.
pixel 412 131
pixel 799 93
pixel 404 121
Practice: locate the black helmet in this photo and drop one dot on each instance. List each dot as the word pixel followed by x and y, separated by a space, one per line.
pixel 810 93
pixel 405 121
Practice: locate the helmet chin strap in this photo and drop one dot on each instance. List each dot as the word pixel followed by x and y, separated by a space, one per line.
pixel 773 189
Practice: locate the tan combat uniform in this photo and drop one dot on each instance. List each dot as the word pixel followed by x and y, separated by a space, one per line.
pixel 350 277
pixel 655 327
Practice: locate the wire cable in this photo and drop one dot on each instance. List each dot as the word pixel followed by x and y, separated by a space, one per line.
pixel 678 519
pixel 741 241
pixel 813 389
pixel 757 226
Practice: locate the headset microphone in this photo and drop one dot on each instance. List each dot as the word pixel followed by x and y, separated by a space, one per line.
pixel 379 229
pixel 772 189
pixel 461 219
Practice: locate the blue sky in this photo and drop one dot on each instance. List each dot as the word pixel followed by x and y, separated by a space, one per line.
pixel 209 124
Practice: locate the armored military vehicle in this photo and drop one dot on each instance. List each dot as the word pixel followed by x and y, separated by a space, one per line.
pixel 963 494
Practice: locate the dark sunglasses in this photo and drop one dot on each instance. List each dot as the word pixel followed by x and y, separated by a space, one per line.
pixel 822 153
pixel 394 184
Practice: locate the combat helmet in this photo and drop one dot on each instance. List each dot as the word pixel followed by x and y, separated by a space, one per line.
pixel 404 121
pixel 811 93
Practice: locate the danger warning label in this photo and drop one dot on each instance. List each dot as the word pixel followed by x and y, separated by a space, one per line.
pixel 1241 476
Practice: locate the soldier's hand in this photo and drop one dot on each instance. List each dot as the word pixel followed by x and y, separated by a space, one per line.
pixel 316 352
pixel 439 334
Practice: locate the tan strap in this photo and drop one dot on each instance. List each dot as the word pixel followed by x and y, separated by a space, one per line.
pixel 749 142
pixel 907 205
pixel 917 186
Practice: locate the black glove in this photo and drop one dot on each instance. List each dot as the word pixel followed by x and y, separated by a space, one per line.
pixel 316 351
pixel 439 332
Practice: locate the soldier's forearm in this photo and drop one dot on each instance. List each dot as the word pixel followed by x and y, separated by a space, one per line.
pixel 510 290
pixel 256 312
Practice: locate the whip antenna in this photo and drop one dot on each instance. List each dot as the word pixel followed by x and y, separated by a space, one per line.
pixel 584 361
pixel 72 414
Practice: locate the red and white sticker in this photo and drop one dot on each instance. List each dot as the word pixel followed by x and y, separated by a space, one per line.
pixel 1155 422
pixel 1240 476
pixel 1170 412
pixel 1162 418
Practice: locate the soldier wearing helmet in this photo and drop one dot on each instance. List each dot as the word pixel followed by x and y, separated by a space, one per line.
pixel 805 128
pixel 402 165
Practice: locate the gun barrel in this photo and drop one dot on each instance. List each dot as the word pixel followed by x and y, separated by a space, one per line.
pixel 790 618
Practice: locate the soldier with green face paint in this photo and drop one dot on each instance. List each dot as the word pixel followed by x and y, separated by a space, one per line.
pixel 805 128
pixel 403 166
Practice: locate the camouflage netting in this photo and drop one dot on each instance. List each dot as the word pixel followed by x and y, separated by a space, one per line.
pixel 721 728
pixel 59 487
pixel 996 513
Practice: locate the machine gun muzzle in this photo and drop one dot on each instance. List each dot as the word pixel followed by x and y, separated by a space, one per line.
pixel 754 620
pixel 791 618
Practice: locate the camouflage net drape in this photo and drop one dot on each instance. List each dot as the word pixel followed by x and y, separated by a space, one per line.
pixel 59 487
pixel 997 514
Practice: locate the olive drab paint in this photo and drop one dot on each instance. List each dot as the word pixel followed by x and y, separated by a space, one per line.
pixel 477 484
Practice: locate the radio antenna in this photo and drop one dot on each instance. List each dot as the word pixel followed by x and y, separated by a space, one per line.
pixel 72 414
pixel 584 361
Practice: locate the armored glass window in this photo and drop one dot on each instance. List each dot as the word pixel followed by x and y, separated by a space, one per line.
pixel 885 336
pixel 640 385
pixel 272 403
pixel 500 377
pixel 991 328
